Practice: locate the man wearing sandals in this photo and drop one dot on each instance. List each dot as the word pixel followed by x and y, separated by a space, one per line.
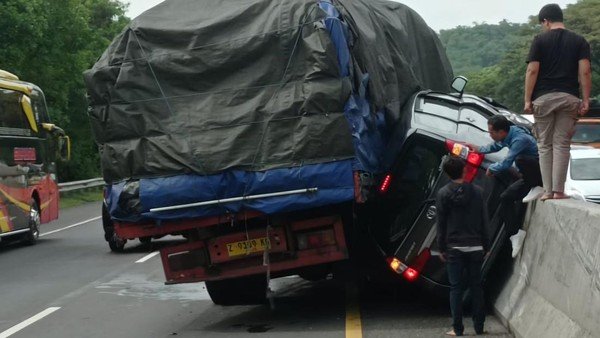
pixel 558 65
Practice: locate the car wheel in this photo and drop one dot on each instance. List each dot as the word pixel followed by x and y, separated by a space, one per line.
pixel 34 223
pixel 145 240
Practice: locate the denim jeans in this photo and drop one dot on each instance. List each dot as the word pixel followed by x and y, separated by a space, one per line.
pixel 467 264
pixel 529 167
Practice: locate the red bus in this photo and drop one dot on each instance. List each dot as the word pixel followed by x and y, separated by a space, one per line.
pixel 30 145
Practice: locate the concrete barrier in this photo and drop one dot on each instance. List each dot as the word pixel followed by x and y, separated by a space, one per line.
pixel 554 288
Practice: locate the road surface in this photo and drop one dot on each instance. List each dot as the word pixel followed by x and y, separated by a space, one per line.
pixel 70 285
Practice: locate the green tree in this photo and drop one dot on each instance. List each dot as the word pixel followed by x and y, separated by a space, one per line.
pixel 472 48
pixel 50 43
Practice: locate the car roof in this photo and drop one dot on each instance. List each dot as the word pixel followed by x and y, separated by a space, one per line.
pixel 485 103
pixel 581 153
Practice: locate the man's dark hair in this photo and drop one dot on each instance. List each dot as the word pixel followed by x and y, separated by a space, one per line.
pixel 551 12
pixel 499 122
pixel 453 166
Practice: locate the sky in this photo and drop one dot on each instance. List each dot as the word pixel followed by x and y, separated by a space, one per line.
pixel 440 14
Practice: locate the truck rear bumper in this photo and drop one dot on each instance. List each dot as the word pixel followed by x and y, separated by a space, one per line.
pixel 216 259
pixel 129 230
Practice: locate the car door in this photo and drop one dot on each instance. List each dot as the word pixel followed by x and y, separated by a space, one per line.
pixel 413 181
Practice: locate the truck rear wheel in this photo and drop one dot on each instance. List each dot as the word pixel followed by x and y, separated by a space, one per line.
pixel 238 291
pixel 115 243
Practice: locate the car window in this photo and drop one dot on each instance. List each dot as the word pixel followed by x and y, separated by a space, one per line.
pixel 11 112
pixel 585 169
pixel 439 108
pixel 587 133
pixel 474 117
pixel 471 134
pixel 413 181
pixel 435 122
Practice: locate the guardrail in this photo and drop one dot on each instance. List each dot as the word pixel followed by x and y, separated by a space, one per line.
pixel 77 185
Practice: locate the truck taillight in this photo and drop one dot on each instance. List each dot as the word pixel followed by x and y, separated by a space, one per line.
pixel 473 159
pixel 385 185
pixel 315 239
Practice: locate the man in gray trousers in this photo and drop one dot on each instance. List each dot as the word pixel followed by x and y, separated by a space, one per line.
pixel 558 68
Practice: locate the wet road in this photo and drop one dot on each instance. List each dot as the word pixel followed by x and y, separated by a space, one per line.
pixel 70 285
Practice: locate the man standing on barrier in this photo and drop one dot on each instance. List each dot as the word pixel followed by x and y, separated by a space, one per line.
pixel 558 65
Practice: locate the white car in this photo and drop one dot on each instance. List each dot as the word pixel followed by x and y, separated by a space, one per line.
pixel 583 176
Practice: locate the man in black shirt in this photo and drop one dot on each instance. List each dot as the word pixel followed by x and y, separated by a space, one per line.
pixel 558 68
pixel 463 241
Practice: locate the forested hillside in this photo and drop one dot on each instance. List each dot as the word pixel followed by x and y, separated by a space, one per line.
pixel 503 79
pixel 473 48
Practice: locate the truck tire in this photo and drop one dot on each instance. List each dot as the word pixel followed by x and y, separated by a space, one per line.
pixel 145 240
pixel 115 243
pixel 238 291
pixel 315 273
pixel 34 223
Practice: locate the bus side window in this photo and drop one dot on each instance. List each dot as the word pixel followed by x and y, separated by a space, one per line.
pixel 39 107
pixel 11 111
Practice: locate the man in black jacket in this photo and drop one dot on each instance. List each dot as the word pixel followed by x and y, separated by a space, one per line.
pixel 463 241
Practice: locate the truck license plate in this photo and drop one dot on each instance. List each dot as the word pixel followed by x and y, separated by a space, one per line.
pixel 248 247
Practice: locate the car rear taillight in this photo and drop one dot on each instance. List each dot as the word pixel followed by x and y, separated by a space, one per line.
pixel 473 159
pixel 396 265
pixel 315 239
pixel 410 273
pixel 385 185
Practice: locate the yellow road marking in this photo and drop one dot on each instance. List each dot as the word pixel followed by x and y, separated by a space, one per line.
pixel 353 321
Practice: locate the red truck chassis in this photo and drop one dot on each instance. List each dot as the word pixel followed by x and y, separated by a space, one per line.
pixel 277 248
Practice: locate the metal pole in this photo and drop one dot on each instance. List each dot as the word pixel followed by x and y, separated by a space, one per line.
pixel 236 199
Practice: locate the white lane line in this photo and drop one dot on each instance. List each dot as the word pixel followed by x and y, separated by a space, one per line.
pixel 27 322
pixel 147 257
pixel 70 226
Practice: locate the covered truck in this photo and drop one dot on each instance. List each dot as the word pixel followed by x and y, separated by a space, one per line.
pixel 253 128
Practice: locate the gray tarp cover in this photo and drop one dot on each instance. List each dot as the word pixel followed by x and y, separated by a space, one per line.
pixel 202 86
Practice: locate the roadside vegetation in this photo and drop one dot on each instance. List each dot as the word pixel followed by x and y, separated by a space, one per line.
pixel 77 198
pixel 493 56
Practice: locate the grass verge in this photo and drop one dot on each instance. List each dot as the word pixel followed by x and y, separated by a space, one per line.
pixel 77 198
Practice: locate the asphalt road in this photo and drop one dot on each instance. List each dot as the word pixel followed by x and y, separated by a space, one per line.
pixel 70 285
